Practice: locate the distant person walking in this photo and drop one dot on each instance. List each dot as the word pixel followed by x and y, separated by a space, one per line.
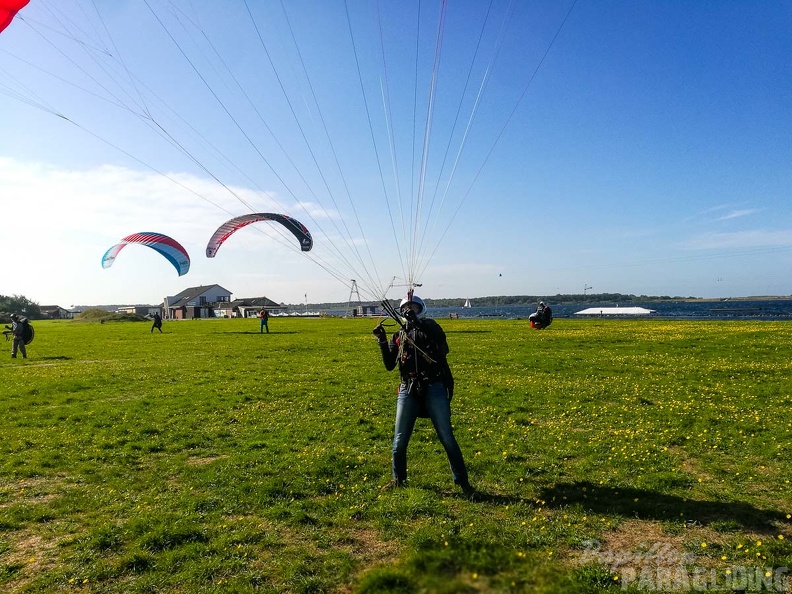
pixel 157 323
pixel 20 334
pixel 264 319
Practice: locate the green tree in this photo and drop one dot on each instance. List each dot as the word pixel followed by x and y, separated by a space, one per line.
pixel 19 304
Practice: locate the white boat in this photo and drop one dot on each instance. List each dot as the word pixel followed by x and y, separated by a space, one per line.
pixel 467 303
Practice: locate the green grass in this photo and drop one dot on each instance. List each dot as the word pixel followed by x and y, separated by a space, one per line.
pixel 212 458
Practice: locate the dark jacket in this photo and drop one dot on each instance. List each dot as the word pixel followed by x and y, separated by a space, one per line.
pixel 17 329
pixel 420 352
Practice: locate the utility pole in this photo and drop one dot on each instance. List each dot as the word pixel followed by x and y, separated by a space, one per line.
pixel 353 290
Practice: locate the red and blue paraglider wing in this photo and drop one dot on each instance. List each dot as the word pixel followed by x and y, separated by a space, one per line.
pixel 228 228
pixel 8 10
pixel 168 247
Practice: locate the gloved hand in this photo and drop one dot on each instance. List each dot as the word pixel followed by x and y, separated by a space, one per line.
pixel 411 318
pixel 380 333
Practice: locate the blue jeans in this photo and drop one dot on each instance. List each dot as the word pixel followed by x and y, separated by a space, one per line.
pixel 439 409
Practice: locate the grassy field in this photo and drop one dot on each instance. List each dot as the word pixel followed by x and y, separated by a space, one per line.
pixel 609 455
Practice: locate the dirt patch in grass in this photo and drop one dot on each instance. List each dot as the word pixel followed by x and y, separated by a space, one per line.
pixel 636 545
pixel 32 553
pixel 638 548
pixel 31 491
pixel 689 465
pixel 364 545
pixel 367 545
pixel 646 543
pixel 203 461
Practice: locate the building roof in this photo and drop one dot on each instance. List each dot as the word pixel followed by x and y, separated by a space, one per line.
pixel 254 302
pixel 191 294
pixel 614 311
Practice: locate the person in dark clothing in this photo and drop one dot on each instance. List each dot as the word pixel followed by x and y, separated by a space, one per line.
pixel 17 329
pixel 157 323
pixel 542 317
pixel 264 321
pixel 427 386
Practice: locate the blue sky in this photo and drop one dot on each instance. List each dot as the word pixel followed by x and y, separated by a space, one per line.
pixel 627 146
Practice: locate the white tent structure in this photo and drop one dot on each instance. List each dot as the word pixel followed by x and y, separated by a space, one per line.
pixel 615 311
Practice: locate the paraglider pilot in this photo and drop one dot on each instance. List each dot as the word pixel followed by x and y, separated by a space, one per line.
pixel 157 322
pixel 17 331
pixel 427 386
pixel 264 319
pixel 542 317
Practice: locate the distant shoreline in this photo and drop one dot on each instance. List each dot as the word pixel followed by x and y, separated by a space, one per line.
pixel 727 299
pixel 507 300
pixel 504 300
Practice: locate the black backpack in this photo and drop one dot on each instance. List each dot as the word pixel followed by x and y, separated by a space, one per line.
pixel 28 334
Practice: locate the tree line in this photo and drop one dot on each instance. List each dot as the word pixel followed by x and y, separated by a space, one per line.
pixel 21 305
pixel 528 300
pixel 495 301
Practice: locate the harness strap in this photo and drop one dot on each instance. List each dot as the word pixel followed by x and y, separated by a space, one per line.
pixel 419 350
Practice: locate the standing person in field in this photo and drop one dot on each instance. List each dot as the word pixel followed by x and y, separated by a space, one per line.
pixel 264 318
pixel 426 388
pixel 157 323
pixel 17 329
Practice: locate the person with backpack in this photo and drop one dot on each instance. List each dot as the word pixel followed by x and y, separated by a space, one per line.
pixel 20 333
pixel 419 349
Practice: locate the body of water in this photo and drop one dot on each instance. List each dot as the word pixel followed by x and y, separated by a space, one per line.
pixel 698 310
pixel 776 309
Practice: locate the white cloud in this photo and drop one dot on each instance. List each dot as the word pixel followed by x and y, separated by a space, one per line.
pixel 66 220
pixel 756 238
pixel 736 214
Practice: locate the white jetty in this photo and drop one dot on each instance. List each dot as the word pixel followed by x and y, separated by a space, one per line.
pixel 615 311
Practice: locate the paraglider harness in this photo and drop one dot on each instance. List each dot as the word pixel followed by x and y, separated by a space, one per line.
pixel 542 318
pixel 28 334
pixel 420 354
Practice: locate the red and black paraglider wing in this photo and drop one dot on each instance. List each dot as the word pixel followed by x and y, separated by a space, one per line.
pixel 8 10
pixel 228 228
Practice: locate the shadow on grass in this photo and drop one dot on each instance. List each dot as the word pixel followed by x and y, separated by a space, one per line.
pixel 480 496
pixel 650 505
pixel 257 332
pixel 493 498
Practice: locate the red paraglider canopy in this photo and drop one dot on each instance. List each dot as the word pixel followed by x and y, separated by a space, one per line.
pixel 8 10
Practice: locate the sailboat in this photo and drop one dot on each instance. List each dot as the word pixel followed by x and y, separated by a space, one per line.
pixel 467 303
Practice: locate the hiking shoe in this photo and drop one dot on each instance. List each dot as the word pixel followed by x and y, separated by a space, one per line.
pixel 392 484
pixel 469 491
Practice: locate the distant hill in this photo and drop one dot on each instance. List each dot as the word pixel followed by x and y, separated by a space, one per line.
pixel 110 308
